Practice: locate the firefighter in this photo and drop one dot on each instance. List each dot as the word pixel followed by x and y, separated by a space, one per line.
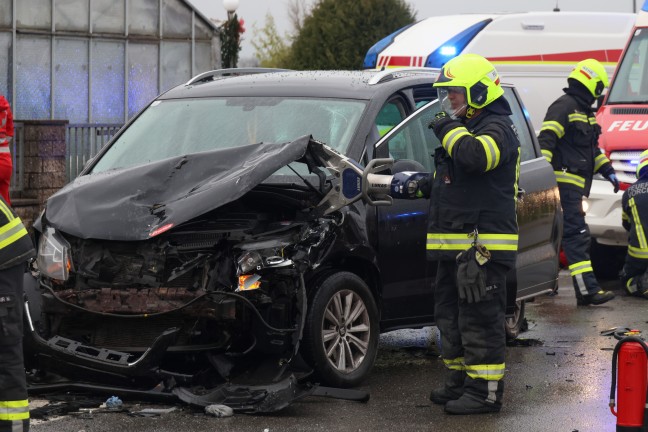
pixel 472 231
pixel 634 205
pixel 569 141
pixel 6 135
pixel 15 249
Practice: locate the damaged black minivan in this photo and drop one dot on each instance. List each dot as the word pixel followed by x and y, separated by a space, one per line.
pixel 216 250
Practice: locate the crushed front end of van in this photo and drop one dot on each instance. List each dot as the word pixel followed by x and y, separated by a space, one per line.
pixel 181 280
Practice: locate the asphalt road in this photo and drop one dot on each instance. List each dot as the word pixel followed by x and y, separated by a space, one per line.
pixel 558 379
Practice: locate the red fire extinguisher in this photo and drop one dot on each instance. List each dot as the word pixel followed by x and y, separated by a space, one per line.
pixel 631 353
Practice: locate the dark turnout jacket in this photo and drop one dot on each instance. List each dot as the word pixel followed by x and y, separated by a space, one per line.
pixel 475 186
pixel 569 139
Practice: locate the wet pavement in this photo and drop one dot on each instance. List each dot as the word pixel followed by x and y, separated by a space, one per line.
pixel 558 379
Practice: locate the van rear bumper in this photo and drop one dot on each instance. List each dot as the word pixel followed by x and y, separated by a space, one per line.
pixel 603 214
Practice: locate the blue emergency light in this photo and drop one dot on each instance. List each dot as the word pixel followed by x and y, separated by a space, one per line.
pixel 455 45
pixel 371 58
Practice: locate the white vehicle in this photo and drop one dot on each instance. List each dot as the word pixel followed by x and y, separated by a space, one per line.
pixel 623 118
pixel 533 50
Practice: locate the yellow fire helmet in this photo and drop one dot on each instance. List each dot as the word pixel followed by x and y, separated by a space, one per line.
pixel 592 75
pixel 643 163
pixel 476 75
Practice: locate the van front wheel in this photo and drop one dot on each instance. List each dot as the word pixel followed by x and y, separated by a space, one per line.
pixel 341 333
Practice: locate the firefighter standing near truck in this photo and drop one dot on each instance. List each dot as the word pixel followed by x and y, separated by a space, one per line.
pixel 15 249
pixel 569 141
pixel 634 206
pixel 472 231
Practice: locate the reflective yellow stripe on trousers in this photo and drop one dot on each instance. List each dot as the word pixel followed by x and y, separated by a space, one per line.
pixel 490 372
pixel 455 364
pixel 580 267
pixel 14 410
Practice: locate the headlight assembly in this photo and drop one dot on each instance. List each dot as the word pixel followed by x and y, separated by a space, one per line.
pixel 54 255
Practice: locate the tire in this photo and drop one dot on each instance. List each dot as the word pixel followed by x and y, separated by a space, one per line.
pixel 341 356
pixel 515 323
pixel 607 261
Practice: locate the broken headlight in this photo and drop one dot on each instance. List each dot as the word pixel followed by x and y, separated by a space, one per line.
pixel 249 261
pixel 54 255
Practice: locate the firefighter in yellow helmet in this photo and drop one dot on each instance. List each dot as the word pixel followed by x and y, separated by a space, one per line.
pixel 569 141
pixel 634 206
pixel 15 249
pixel 472 231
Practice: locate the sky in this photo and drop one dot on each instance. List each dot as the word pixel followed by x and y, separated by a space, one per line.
pixel 254 11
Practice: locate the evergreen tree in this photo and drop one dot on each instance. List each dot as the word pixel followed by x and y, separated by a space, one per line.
pixel 338 33
pixel 271 49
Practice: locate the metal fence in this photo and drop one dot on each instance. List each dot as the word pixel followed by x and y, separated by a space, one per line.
pixel 83 142
pixel 17 145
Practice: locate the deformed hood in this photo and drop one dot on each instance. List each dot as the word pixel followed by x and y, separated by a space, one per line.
pixel 129 204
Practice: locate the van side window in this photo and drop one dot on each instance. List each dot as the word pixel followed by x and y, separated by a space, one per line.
pixel 390 115
pixel 415 142
pixel 527 149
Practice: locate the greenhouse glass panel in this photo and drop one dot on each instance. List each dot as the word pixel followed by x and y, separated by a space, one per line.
pixel 34 14
pixel 107 82
pixel 71 15
pixel 5 13
pixel 108 16
pixel 203 30
pixel 33 65
pixel 177 19
pixel 5 66
pixel 176 64
pixel 142 76
pixel 71 80
pixel 143 17
pixel 204 58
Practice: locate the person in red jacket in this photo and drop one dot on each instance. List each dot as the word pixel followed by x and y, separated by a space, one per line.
pixel 6 135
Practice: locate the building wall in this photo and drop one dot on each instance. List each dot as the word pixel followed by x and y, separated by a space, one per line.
pixel 98 61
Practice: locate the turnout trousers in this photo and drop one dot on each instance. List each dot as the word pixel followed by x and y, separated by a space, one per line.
pixel 14 407
pixel 473 336
pixel 635 276
pixel 576 242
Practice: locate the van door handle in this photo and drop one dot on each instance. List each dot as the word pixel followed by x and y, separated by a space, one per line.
pixel 520 193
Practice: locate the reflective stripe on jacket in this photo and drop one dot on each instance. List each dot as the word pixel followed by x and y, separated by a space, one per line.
pixel 16 245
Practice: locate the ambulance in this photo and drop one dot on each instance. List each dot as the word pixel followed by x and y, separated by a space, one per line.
pixel 535 51
pixel 623 118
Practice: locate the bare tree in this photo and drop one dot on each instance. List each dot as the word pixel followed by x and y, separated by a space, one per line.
pixel 297 11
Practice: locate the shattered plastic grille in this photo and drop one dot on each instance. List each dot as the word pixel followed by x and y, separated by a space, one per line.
pixel 124 333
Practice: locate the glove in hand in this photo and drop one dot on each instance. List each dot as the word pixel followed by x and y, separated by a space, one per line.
pixel 471 277
pixel 438 122
pixel 612 178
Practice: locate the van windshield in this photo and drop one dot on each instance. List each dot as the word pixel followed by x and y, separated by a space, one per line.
pixel 171 128
pixel 631 81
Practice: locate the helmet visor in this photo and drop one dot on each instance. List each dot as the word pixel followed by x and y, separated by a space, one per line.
pixel 453 101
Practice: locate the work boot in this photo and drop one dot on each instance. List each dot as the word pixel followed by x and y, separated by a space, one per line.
pixel 442 395
pixel 595 299
pixel 468 405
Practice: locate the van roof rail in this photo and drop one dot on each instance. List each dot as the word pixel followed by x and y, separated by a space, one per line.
pixel 212 75
pixel 390 74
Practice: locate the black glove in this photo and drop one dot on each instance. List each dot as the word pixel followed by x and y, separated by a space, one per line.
pixel 424 188
pixel 438 122
pixel 612 178
pixel 471 275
